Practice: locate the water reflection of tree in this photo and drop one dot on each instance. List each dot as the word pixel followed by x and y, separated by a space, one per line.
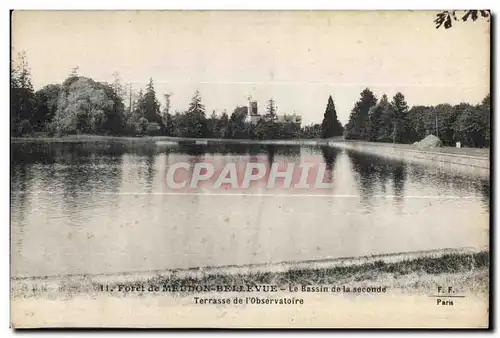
pixel 239 149
pixel 146 169
pixel 193 149
pixel 371 169
pixel 74 171
pixel 271 152
pixel 486 192
pixel 330 155
pixel 365 167
pixel 384 175
pixel 289 152
pixel 398 181
pixel 21 182
pixel 454 183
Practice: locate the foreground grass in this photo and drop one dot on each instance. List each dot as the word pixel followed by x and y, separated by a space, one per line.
pixel 446 264
pixel 464 271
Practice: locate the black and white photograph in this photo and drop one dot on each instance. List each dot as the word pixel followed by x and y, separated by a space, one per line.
pixel 250 169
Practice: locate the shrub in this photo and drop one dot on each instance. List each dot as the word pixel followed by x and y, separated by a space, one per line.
pixel 153 128
pixel 25 128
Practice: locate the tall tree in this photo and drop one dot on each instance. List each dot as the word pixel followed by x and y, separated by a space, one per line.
pixel 400 110
pixel 222 125
pixel 375 119
pixel 331 125
pixel 271 109
pixel 197 121
pixel 212 125
pixel 195 106
pixel 441 122
pixel 356 128
pixel 485 108
pixel 150 104
pixel 23 102
pixel 118 87
pixel 138 105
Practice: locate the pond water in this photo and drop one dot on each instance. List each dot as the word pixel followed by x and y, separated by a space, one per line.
pixel 105 208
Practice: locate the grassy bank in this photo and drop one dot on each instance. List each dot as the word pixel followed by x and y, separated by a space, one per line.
pixel 464 151
pixel 463 271
pixel 356 273
pixel 86 138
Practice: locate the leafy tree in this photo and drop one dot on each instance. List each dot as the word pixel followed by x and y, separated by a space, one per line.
pixel 24 128
pixel 237 127
pixel 212 125
pixel 289 130
pixel 471 127
pixel 168 123
pixel 447 17
pixel 356 128
pixel 485 109
pixel 331 125
pixel 419 123
pixel 178 126
pixel 486 103
pixel 86 106
pixel 46 100
pixel 142 126
pixel 115 122
pixel 311 131
pixel 268 129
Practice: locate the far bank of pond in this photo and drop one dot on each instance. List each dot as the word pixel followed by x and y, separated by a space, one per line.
pixel 476 160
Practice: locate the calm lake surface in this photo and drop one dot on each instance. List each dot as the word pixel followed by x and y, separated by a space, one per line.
pixel 105 208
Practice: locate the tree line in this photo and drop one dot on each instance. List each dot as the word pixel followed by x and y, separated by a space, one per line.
pixel 384 121
pixel 81 105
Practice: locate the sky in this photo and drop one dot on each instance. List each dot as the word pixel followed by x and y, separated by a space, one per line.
pixel 297 57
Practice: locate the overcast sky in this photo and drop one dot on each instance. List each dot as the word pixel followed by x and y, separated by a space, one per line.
pixel 299 58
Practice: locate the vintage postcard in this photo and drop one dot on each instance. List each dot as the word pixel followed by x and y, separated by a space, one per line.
pixel 250 169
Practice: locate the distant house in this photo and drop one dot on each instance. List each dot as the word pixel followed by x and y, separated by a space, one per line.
pixel 254 117
pixel 290 118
